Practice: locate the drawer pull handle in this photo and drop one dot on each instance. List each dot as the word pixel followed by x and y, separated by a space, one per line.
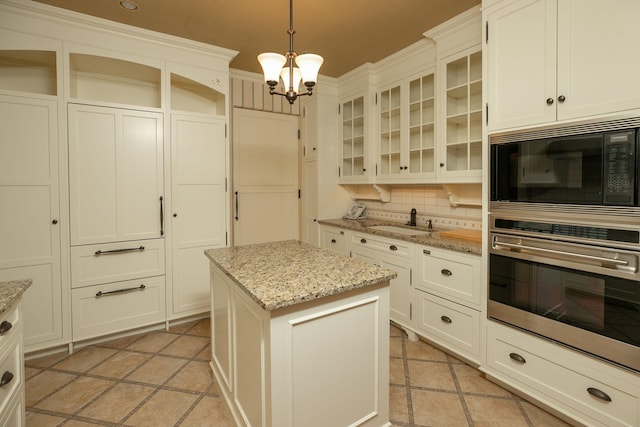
pixel 446 319
pixel 599 394
pixel 120 291
pixel 446 272
pixel 333 240
pixel 7 377
pixel 119 251
pixel 517 358
pixel 5 326
pixel 393 248
pixel 363 240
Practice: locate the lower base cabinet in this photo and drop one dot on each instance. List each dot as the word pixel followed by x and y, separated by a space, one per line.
pixel 589 391
pixel 12 399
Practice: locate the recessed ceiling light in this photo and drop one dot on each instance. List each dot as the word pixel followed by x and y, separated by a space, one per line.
pixel 129 5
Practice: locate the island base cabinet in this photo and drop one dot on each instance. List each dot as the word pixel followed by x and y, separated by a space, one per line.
pixel 587 390
pixel 318 363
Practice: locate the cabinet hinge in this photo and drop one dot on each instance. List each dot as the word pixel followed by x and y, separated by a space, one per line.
pixel 410 311
pixel 304 112
pixel 298 133
pixel 225 184
pixel 338 171
pixel 486 32
pixel 299 193
pixel 225 130
pixel 226 238
pixel 339 105
pixel 304 151
pixel 410 277
pixel 486 113
pixel 376 169
pixel 376 98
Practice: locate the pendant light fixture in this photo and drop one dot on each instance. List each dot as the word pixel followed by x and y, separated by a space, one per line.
pixel 276 66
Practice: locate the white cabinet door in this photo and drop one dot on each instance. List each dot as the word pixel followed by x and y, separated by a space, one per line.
pixel 199 208
pixel 310 203
pixel 29 218
pixel 115 174
pixel 521 64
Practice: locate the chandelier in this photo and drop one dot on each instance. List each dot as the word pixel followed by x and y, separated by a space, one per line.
pixel 273 66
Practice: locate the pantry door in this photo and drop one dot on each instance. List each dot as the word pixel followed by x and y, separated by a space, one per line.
pixel 265 177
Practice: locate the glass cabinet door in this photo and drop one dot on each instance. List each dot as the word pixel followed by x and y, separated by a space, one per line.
pixel 421 125
pixel 353 148
pixel 463 114
pixel 390 142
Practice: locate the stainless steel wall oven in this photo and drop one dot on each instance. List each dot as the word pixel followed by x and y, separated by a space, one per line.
pixel 570 272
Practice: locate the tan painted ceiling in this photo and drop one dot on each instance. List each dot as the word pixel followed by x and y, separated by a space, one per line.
pixel 347 33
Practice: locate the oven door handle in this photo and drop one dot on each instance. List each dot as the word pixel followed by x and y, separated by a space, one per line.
pixel 556 252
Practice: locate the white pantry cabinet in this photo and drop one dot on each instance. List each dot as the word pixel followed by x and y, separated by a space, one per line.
pixel 116 174
pixel 541 65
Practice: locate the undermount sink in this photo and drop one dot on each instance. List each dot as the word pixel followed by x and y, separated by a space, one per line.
pixel 399 230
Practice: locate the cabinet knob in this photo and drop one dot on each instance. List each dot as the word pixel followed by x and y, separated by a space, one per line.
pixel 549 101
pixel 333 240
pixel 54 222
pixel 599 394
pixel 175 215
pixel 5 326
pixel 441 165
pixel 446 319
pixel 393 248
pixel 6 378
pixel 363 240
pixel 561 98
pixel 517 358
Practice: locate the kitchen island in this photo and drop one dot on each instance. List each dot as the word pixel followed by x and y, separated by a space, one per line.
pixel 300 336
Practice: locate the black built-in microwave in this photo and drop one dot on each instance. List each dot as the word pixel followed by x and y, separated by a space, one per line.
pixel 595 168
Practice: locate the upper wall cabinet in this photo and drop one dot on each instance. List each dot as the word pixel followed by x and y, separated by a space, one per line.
pixel 353 152
pixel 541 64
pixel 406 142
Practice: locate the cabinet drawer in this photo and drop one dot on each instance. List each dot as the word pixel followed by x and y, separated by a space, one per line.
pixel 387 246
pixel 450 275
pixel 458 326
pixel 334 239
pixel 114 307
pixel 112 262
pixel 10 371
pixel 564 376
pixel 9 325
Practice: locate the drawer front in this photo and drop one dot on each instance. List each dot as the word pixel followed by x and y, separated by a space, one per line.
pixel 458 325
pixel 386 246
pixel 9 325
pixel 449 274
pixel 566 381
pixel 114 307
pixel 10 371
pixel 112 262
pixel 14 414
pixel 334 239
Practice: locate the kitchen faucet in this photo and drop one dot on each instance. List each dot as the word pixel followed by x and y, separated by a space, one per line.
pixel 412 222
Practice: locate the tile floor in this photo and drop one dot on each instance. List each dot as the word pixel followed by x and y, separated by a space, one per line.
pixel 162 378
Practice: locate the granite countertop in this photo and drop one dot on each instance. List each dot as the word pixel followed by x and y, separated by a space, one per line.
pixel 432 239
pixel 12 291
pixel 285 273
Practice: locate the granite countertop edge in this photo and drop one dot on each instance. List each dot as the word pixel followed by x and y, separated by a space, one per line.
pixel 285 273
pixel 11 291
pixel 432 239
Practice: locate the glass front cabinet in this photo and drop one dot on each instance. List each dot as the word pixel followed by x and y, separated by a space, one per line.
pixel 353 157
pixel 406 143
pixel 461 105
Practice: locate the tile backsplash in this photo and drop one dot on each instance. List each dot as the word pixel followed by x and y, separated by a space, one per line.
pixel 431 202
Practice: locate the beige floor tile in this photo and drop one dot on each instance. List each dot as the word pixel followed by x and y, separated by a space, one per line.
pixel 182 328
pixel 164 408
pixel 46 361
pixel 472 380
pixel 85 359
pixel 77 423
pixel 214 389
pixel 41 420
pixel 74 395
pixel 395 347
pixel 433 408
pixel 153 342
pixel 423 351
pixel 121 343
pixel 395 331
pixel 156 370
pixel 117 403
pixel 195 376
pixel 186 346
pixel 210 411
pixel 40 386
pixel 205 354
pixel 31 372
pixel 396 372
pixel 398 406
pixel 202 328
pixel 494 412
pixel 540 417
pixel 433 375
pixel 121 364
